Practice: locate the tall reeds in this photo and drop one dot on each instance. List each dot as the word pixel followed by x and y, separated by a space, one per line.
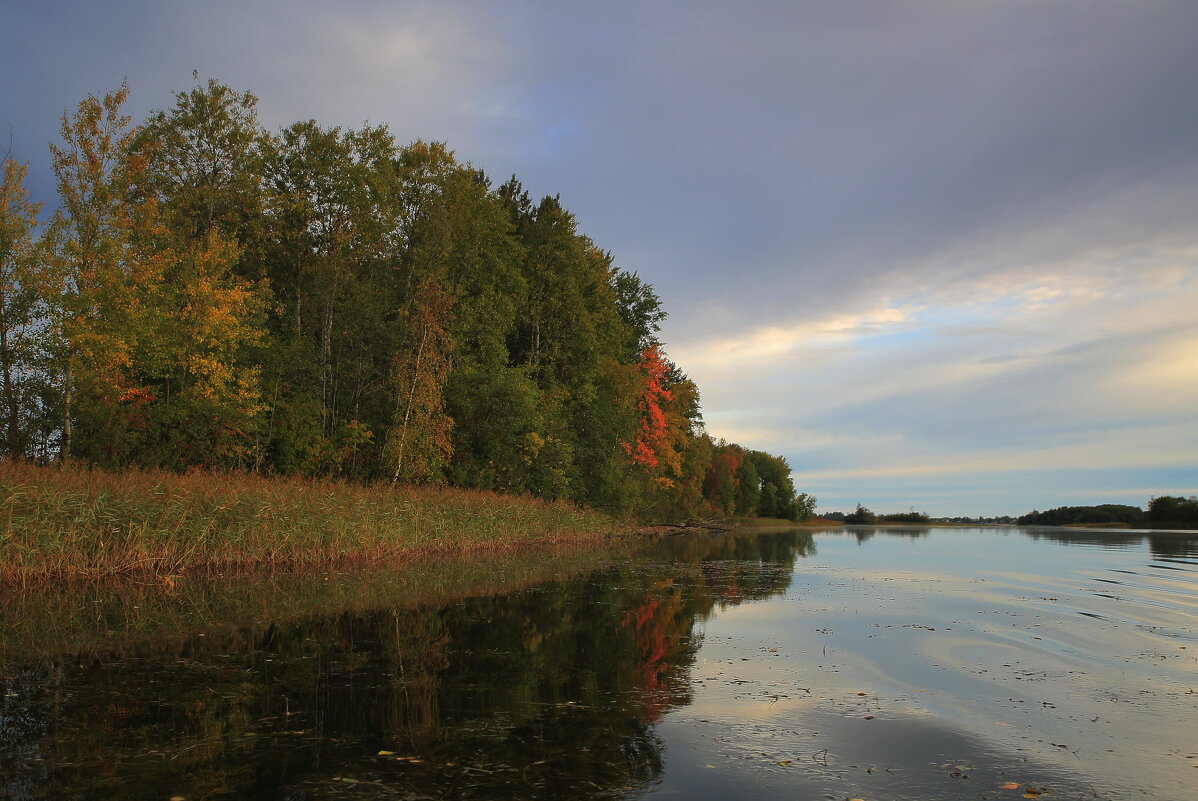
pixel 74 521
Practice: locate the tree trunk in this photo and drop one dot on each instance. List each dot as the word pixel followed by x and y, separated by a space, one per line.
pixel 12 441
pixel 65 452
pixel 403 431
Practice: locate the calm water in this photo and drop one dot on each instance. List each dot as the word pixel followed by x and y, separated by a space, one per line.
pixel 871 664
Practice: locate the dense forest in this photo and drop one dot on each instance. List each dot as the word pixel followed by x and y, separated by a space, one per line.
pixel 326 302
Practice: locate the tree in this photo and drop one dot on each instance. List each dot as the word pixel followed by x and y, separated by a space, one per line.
pixel 804 505
pixel 104 286
pixel 639 308
pixel 651 426
pixel 1173 508
pixel 205 175
pixel 860 516
pixel 207 160
pixel 418 444
pixel 20 323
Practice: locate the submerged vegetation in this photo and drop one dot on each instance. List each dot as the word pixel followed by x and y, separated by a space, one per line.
pixel 326 305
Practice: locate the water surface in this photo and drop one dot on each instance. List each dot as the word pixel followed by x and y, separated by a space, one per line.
pixel 868 663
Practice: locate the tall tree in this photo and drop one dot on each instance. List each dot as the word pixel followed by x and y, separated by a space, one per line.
pixel 205 174
pixel 418 445
pixel 207 160
pixel 104 283
pixel 19 315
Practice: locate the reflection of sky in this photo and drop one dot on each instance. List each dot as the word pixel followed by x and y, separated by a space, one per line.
pixel 953 236
pixel 987 648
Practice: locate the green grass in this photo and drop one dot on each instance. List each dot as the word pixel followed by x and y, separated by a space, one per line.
pixel 76 522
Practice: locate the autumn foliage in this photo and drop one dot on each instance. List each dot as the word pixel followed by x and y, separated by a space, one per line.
pixel 651 426
pixel 326 303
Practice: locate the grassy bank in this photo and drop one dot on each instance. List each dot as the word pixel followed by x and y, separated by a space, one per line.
pixel 88 523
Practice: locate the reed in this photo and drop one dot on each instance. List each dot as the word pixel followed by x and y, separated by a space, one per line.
pixel 87 523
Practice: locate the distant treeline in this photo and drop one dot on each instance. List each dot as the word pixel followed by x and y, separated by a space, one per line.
pixel 324 302
pixel 1165 510
pixel 863 516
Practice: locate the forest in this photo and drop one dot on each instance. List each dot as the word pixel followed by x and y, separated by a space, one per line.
pixel 325 302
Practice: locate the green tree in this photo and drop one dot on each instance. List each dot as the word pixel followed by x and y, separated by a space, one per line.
pixel 21 325
pixel 207 161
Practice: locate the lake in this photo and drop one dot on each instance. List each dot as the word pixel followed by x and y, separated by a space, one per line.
pixel 869 663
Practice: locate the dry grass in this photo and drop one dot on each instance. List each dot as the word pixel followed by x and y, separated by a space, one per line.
pixel 85 523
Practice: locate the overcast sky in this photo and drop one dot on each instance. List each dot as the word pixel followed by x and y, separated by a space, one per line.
pixel 939 254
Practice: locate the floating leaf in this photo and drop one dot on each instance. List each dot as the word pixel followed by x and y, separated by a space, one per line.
pixel 785 763
pixel 1008 786
pixel 385 753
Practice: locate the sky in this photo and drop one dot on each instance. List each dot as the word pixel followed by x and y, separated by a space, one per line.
pixel 941 255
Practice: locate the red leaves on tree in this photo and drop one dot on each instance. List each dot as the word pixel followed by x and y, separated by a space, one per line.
pixel 651 428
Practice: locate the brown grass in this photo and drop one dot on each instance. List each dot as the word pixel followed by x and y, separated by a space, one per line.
pixel 76 522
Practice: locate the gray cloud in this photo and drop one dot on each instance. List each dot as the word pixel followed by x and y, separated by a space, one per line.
pixel 763 164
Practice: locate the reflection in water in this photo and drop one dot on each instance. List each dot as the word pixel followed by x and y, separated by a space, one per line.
pixel 893 663
pixel 545 692
pixel 1162 544
pixel 866 533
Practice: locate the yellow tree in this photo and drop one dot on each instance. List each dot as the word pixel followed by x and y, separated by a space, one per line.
pixel 104 283
pixel 418 444
pixel 205 174
pixel 214 316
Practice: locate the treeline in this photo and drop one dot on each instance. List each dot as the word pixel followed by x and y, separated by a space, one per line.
pixel 325 302
pixel 864 516
pixel 1167 510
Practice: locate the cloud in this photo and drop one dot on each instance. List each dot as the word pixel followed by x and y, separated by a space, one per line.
pixel 941 234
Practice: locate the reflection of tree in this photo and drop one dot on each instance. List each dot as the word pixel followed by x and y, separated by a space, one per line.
pixel 1165 546
pixel 1161 544
pixel 545 692
pixel 1079 537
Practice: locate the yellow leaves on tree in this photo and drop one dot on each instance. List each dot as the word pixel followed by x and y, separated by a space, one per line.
pixel 418 444
pixel 100 277
pixel 217 316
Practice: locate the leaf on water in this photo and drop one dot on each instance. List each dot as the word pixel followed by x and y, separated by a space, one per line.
pixel 785 763
pixel 177 798
pixel 869 717
pixel 385 753
pixel 1008 786
pixel 1032 792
